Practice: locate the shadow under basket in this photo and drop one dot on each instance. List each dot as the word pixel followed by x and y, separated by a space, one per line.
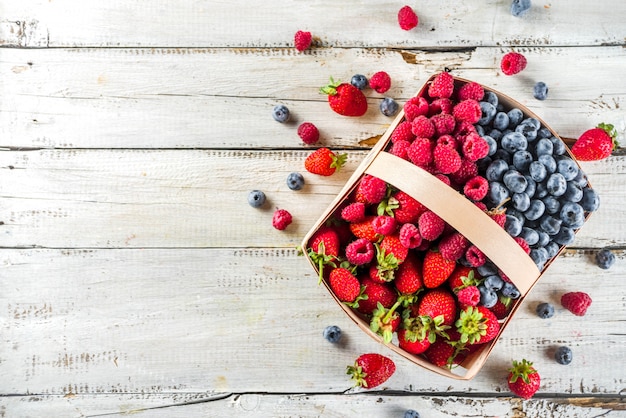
pixel 456 210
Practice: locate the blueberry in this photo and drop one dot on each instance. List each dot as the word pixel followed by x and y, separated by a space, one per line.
pixel 493 282
pixel 544 147
pixel 515 181
pixel 504 155
pixel 544 310
pixel 480 130
pixel 536 210
pixel 483 163
pixel 497 192
pixel 515 117
pixel 389 107
pixel 563 355
pixel 280 113
pixel 590 201
pixel 542 190
pixel 514 141
pixel 510 291
pixel 581 179
pixel 530 235
pixel 565 236
pixel 550 225
pixel 512 225
pixel 256 198
pixel 520 7
pixel 359 81
pixel 295 181
pixel 487 269
pixel 556 184
pixel 544 239
pixel 488 298
pixel 488 112
pixel 558 146
pixel 332 334
pixel 567 168
pixel 493 145
pixel 501 121
pixel 539 256
pixel 544 133
pixel 496 133
pixel 411 413
pixel 552 248
pixel 552 204
pixel 540 91
pixel 531 188
pixel 573 192
pixel 537 171
pixel 548 162
pixel 532 121
pixel 528 130
pixel 491 97
pixel 522 160
pixel 605 258
pixel 521 201
pixel 572 214
pixel 516 214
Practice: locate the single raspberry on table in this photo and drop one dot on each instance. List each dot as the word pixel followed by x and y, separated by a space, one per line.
pixel 576 302
pixel 380 81
pixel 407 19
pixel 302 40
pixel 281 219
pixel 442 86
pixel 309 133
pixel 512 63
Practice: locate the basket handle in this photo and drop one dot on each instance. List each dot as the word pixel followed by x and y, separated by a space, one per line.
pixel 461 214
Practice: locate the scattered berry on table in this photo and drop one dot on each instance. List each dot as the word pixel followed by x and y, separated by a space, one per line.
pixel 280 113
pixel 302 40
pixel 344 98
pixel 540 90
pixel 389 107
pixel 371 370
pixel 576 302
pixel 411 413
pixel 380 82
pixel 324 162
pixel 256 198
pixel 359 81
pixel 407 19
pixel 520 7
pixel 595 144
pixel 545 310
pixel 332 334
pixel 295 181
pixel 308 132
pixel 563 355
pixel 605 258
pixel 512 63
pixel 281 219
pixel 524 380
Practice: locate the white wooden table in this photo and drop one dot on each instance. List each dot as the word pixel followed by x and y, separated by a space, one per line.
pixel 135 277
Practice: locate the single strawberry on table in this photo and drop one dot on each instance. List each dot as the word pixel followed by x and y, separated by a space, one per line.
pixel 523 380
pixel 345 99
pixel 371 370
pixel 324 162
pixel 595 144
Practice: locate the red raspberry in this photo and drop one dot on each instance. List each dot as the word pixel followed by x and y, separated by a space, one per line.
pixel 384 225
pixel 302 40
pixel 410 236
pixel 468 170
pixel 467 110
pixel 400 149
pixel 481 206
pixel 447 159
pixel 360 251
pixel 420 152
pixel 462 129
pixel 448 141
pixel 471 90
pixel 468 296
pixel 474 256
pixel 372 189
pixel 443 178
pixel 414 107
pixel 308 133
pixel 476 188
pixel 512 63
pixel 441 86
pixel 442 105
pixel 402 132
pixel 380 82
pixel 453 246
pixel 354 212
pixel 407 19
pixel 475 147
pixel 522 243
pixel 444 123
pixel 281 219
pixel 423 127
pixel 576 302
pixel 430 225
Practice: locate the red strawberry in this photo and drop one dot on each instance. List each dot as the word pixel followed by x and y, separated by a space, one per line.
pixel 462 277
pixel 391 245
pixel 441 353
pixel 376 293
pixel 365 229
pixel 371 370
pixel 345 99
pixel 595 144
pixel 409 276
pixel 324 248
pixel 523 380
pixel 411 342
pixel 436 269
pixel 502 307
pixel 407 19
pixel 438 302
pixel 302 40
pixel 477 325
pixel 345 286
pixel 384 269
pixel 324 162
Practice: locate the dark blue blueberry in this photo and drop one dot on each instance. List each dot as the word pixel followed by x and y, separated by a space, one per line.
pixel 573 193
pixel 359 81
pixel 497 192
pixel 495 134
pixel 563 355
pixel 532 121
pixel 565 236
pixel 480 130
pixel 544 133
pixel 581 179
pixel 411 413
pixel 493 145
pixel 544 239
pixel 515 181
pixel 491 97
pixel 605 258
pixel 496 170
pixel 552 204
pixel 544 147
pixel 532 186
pixel 515 117
pixel 493 282
pixel 487 269
pixel 567 167
pixel 504 155
pixel 483 163
pixel 550 225
pixel 530 235
pixel 280 113
pixel 522 159
pixel 590 201
pixel 535 210
pixel 501 121
pixel 520 7
pixel 389 107
pixel 488 112
pixel 295 181
pixel 256 198
pixel 539 256
pixel 510 291
pixel 542 190
pixel 558 146
pixel 514 141
pixel 544 310
pixel 488 298
pixel 332 333
pixel 528 130
pixel 553 249
pixel 516 213
pixel 556 184
pixel 521 201
pixel 540 90
pixel 537 171
pixel 548 162
pixel 512 225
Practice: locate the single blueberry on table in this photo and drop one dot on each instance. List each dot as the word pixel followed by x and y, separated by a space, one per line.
pixel 280 113
pixel 563 355
pixel 605 258
pixel 359 81
pixel 295 181
pixel 332 333
pixel 540 91
pixel 411 413
pixel 520 7
pixel 544 310
pixel 256 198
pixel 388 106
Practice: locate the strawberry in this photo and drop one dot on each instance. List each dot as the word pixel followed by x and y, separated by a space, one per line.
pixel 371 370
pixel 324 249
pixel 477 325
pixel 345 99
pixel 391 245
pixel 441 353
pixel 365 229
pixel 408 210
pixel 411 343
pixel 436 269
pixel 502 307
pixel 595 144
pixel 438 302
pixel 385 322
pixel 417 333
pixel 346 286
pixel 383 270
pixel 523 380
pixel 462 277
pixel 409 276
pixel 324 162
pixel 375 293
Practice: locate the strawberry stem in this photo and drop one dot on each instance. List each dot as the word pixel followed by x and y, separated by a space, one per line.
pixel 331 88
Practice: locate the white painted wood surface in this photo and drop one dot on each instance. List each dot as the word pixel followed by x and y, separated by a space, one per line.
pixel 136 279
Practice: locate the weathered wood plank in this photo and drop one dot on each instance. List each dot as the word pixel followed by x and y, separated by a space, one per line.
pixel 189 98
pixel 196 198
pixel 256 23
pixel 150 322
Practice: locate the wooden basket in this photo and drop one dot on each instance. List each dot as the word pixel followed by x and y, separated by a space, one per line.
pixel 459 212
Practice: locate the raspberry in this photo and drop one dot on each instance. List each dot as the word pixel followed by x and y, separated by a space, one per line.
pixel 512 63
pixel 410 236
pixel 384 225
pixel 444 123
pixel 474 256
pixel 481 206
pixel 400 149
pixel 420 152
pixel 441 105
pixel 476 188
pixel 463 129
pixel 522 243
pixel 281 219
pixel 443 178
pixel 360 251
pixel 422 127
pixel 407 19
pixel 576 302
pixel 402 132
pixel 475 147
pixel 302 40
pixel 468 170
pixel 441 86
pixel 448 141
pixel 372 189
pixel 380 82
pixel 308 133
pixel 469 296
pixel 471 90
pixel 354 212
pixel 430 225
pixel 447 159
pixel 467 110
pixel 453 246
pixel 414 107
